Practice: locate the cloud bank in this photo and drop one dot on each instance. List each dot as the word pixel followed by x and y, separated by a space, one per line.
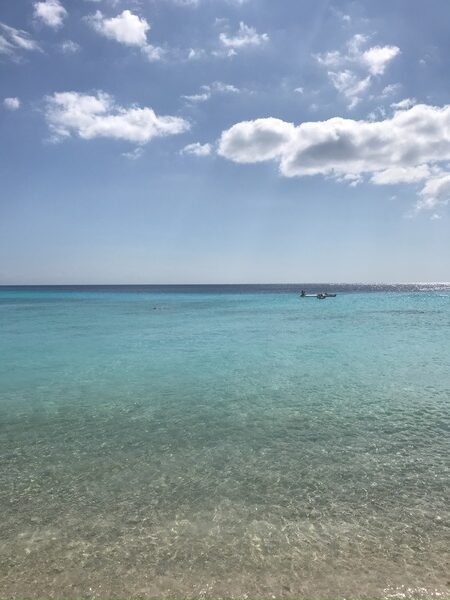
pixel 412 145
pixel 98 116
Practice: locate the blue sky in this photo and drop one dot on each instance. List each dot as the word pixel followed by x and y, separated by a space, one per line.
pixel 183 141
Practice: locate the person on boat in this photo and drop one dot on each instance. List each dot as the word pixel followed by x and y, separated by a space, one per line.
pixel 303 293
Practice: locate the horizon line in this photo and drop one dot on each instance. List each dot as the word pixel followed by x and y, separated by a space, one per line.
pixel 229 284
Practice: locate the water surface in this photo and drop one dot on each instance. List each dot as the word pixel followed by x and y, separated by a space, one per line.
pixel 224 440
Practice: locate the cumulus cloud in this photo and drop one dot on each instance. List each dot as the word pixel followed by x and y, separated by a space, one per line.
pixel 13 41
pixel 11 103
pixel 217 87
pixel 51 12
pixel 245 36
pixel 255 141
pixel 128 29
pixel 352 71
pixel 197 149
pixel 410 146
pixel 98 116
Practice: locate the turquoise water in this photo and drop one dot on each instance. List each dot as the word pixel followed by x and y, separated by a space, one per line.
pixel 223 441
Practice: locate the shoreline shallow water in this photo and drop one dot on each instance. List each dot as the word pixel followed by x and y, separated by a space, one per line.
pixel 224 441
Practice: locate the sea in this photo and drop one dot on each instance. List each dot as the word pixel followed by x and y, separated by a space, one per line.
pixel 230 441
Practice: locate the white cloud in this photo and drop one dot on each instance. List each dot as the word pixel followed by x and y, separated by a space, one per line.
pixel 197 149
pixel 395 175
pixel 405 148
pixel 436 191
pixel 350 178
pixel 128 29
pixel 378 57
pixel 134 154
pixel 193 3
pixel 50 12
pixel 377 114
pixel 391 89
pixel 14 40
pixel 299 90
pixel 330 59
pixel 340 15
pixel 98 116
pixel 245 36
pixel 11 103
pixel 217 87
pixel 70 47
pixel 153 53
pixel 352 71
pixel 404 104
pixel 223 88
pixel 203 97
pixel 348 84
pixel 256 141
pixel 196 53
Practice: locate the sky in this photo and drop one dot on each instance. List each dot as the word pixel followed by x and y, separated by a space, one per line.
pixel 224 141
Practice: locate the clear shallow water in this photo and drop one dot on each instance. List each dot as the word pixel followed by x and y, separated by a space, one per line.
pixel 225 441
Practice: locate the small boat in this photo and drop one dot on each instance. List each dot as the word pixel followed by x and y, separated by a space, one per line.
pixel 319 296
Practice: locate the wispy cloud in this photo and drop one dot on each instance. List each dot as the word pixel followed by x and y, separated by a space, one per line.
pixel 390 90
pixel 244 37
pixel 196 53
pixel 197 149
pixel 134 154
pixel 206 91
pixel 352 71
pixel 70 47
pixel 406 103
pixel 14 41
